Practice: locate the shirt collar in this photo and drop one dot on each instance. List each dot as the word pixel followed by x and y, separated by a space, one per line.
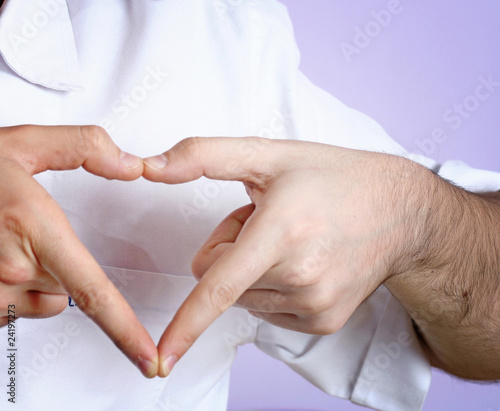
pixel 37 43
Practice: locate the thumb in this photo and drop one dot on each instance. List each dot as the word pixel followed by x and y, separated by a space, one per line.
pixel 248 159
pixel 40 148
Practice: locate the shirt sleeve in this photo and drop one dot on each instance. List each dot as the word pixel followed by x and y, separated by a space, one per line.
pixel 375 360
pixel 471 179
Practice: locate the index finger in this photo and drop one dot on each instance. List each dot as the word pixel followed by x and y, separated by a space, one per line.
pixel 254 252
pixel 65 257
pixel 40 148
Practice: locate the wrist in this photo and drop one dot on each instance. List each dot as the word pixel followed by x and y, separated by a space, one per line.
pixel 418 203
pixel 451 282
pixel 438 236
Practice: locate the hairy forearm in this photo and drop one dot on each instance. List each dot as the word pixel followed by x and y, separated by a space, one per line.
pixel 452 290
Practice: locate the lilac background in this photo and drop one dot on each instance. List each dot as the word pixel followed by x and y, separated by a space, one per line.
pixel 427 59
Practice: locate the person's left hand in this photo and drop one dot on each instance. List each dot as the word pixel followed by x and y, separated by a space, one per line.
pixel 326 227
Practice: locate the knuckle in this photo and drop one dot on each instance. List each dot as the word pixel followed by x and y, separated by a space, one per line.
pixel 191 147
pixel 12 273
pixel 91 298
pixel 311 270
pixel 17 258
pixel 303 228
pixel 11 219
pixel 90 138
pixel 315 305
pixel 187 338
pixel 294 279
pixel 23 219
pixel 222 296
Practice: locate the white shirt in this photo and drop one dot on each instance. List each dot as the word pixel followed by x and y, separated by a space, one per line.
pixel 154 72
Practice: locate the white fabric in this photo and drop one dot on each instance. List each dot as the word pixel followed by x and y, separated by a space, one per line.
pixel 153 72
pixel 469 178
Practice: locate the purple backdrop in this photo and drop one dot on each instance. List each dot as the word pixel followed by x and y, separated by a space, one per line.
pixel 416 66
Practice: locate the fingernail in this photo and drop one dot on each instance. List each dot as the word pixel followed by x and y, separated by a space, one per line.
pixel 130 161
pixel 168 364
pixel 148 368
pixel 156 162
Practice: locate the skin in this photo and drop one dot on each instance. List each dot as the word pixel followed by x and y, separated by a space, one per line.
pixel 41 259
pixel 326 227
pixel 454 295
pixel 354 220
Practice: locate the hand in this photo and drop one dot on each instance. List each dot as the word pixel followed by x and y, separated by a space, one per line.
pixel 326 227
pixel 41 259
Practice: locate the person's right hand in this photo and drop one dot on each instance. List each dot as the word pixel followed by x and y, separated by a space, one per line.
pixel 41 259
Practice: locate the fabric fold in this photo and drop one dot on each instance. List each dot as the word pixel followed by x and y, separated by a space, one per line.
pixel 37 43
